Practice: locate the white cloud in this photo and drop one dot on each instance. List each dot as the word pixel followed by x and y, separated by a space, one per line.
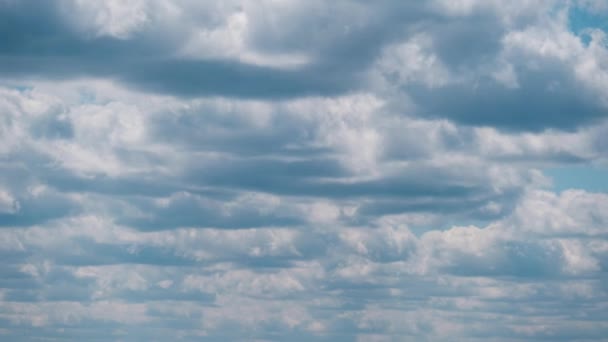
pixel 8 204
pixel 112 18
pixel 287 170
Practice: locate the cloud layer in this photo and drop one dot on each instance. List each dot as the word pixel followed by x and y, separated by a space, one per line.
pixel 302 170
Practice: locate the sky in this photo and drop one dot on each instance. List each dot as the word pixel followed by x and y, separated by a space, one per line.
pixel 282 170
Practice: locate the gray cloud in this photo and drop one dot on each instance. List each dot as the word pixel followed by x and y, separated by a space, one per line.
pixel 262 170
pixel 544 99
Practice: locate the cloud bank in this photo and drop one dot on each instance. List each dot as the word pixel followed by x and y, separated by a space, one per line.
pixel 302 170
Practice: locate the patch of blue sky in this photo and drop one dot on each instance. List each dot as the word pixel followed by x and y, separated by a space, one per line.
pixel 589 178
pixel 17 86
pixel 582 19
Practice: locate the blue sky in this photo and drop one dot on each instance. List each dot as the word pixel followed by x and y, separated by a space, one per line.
pixel 279 170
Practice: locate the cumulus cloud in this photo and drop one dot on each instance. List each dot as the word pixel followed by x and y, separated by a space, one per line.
pixel 289 170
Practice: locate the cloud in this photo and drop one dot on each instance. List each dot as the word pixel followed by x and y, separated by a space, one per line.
pixel 287 170
pixel 144 59
pixel 363 272
pixel 481 65
pixel 522 75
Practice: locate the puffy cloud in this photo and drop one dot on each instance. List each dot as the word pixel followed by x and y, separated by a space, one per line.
pixel 111 18
pixel 522 75
pixel 276 170
pixel 366 273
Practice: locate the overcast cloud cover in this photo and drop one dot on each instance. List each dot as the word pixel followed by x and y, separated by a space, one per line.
pixel 303 170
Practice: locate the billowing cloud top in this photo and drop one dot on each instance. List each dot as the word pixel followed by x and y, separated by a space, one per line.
pixel 303 170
